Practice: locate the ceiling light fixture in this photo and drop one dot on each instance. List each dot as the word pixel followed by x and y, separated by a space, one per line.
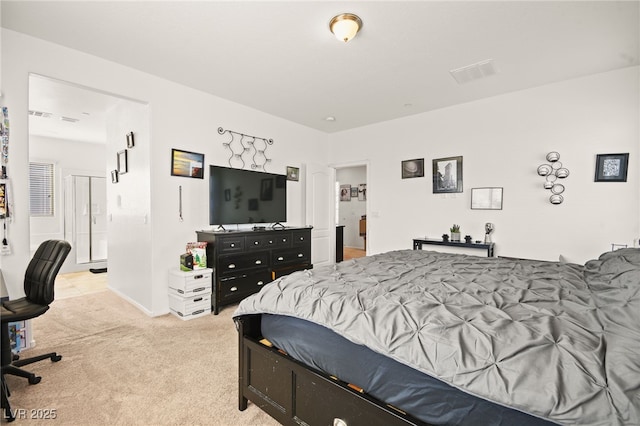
pixel 345 26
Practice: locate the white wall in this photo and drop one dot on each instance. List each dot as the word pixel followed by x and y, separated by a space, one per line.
pixel 350 212
pixel 69 158
pixel 178 117
pixel 503 140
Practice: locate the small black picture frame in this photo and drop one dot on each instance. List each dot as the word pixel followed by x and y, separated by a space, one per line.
pixel 447 175
pixel 413 168
pixel 123 165
pixel 130 140
pixel 293 173
pixel 114 176
pixel 187 164
pixel 611 167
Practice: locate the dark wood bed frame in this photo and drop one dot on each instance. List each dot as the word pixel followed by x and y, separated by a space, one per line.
pixel 295 394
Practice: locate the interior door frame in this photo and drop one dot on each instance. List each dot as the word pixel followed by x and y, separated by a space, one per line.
pixel 367 165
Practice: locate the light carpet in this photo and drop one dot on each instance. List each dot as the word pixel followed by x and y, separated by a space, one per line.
pixel 121 367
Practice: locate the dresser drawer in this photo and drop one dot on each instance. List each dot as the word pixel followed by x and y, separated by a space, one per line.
pixel 284 257
pixel 240 286
pixel 231 244
pixel 257 242
pixel 232 264
pixel 301 238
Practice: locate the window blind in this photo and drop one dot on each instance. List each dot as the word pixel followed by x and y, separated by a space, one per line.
pixel 41 189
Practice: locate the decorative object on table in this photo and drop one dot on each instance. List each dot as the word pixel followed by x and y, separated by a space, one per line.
pixel 611 167
pixel 345 192
pixel 447 175
pixel 488 229
pixel 486 198
pixel 413 168
pixel 123 165
pixel 130 140
pixel 187 164
pixel 250 147
pixel 114 176
pixel 186 262
pixel 199 252
pixel 552 172
pixel 445 237
pixel 467 239
pixel 362 192
pixel 293 173
pixel 455 232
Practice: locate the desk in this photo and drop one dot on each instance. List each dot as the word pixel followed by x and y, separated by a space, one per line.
pixel 418 242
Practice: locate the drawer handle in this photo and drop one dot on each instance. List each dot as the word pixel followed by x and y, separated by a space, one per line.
pixel 258 262
pixel 301 238
pixel 255 243
pixel 197 312
pixel 232 266
pixel 339 422
pixel 234 289
pixel 270 241
pixel 198 299
pixel 197 277
pixel 281 258
pixel 260 282
pixel 232 245
pixel 195 290
pixel 300 255
pixel 284 240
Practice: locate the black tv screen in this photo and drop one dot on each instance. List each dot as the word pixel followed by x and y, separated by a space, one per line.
pixel 238 196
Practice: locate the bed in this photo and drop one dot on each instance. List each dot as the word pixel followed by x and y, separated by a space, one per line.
pixel 421 337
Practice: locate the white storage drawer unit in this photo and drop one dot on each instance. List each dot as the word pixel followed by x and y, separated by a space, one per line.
pixel 190 307
pixel 190 283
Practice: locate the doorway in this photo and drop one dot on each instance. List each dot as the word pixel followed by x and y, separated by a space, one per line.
pixel 68 131
pixel 351 209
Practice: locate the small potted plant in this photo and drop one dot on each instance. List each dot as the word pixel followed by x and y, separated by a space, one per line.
pixel 455 232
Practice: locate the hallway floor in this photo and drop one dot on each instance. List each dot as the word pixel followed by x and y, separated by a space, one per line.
pixel 352 253
pixel 75 284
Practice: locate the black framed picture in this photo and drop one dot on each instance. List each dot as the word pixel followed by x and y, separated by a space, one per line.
pixel 187 164
pixel 345 192
pixel 611 167
pixel 130 140
pixel 447 175
pixel 114 176
pixel 123 164
pixel 413 168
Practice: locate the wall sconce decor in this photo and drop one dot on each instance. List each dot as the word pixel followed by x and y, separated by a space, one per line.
pixel 250 147
pixel 552 172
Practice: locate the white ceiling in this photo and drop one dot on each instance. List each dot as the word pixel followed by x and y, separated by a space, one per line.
pixel 279 56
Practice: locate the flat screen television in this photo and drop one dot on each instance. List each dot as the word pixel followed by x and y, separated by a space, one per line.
pixel 238 196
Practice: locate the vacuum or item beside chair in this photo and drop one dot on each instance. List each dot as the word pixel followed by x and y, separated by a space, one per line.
pixel 39 280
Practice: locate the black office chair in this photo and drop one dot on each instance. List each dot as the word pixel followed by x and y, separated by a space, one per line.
pixel 39 281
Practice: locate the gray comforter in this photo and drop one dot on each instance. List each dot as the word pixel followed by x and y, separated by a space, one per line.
pixel 559 341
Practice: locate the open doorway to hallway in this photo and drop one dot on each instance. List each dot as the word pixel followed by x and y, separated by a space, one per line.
pixel 351 209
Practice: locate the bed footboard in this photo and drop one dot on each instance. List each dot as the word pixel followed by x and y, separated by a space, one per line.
pixel 295 394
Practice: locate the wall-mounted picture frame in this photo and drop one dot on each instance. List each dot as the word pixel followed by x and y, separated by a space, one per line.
pixel 362 192
pixel 130 140
pixel 187 164
pixel 345 192
pixel 486 198
pixel 114 176
pixel 354 192
pixel 293 173
pixel 123 164
pixel 611 167
pixel 447 175
pixel 413 168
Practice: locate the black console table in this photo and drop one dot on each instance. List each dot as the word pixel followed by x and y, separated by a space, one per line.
pixel 418 242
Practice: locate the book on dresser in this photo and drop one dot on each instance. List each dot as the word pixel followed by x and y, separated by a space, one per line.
pixel 244 261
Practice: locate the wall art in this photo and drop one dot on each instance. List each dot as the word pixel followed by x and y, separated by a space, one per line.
pixel 187 164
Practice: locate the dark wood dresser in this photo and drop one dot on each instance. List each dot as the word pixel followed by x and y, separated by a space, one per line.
pixel 244 261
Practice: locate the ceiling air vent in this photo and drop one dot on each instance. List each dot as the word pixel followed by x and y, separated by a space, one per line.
pixel 40 114
pixel 474 71
pixel 69 119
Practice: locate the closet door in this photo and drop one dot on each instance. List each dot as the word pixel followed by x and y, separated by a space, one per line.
pixel 98 191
